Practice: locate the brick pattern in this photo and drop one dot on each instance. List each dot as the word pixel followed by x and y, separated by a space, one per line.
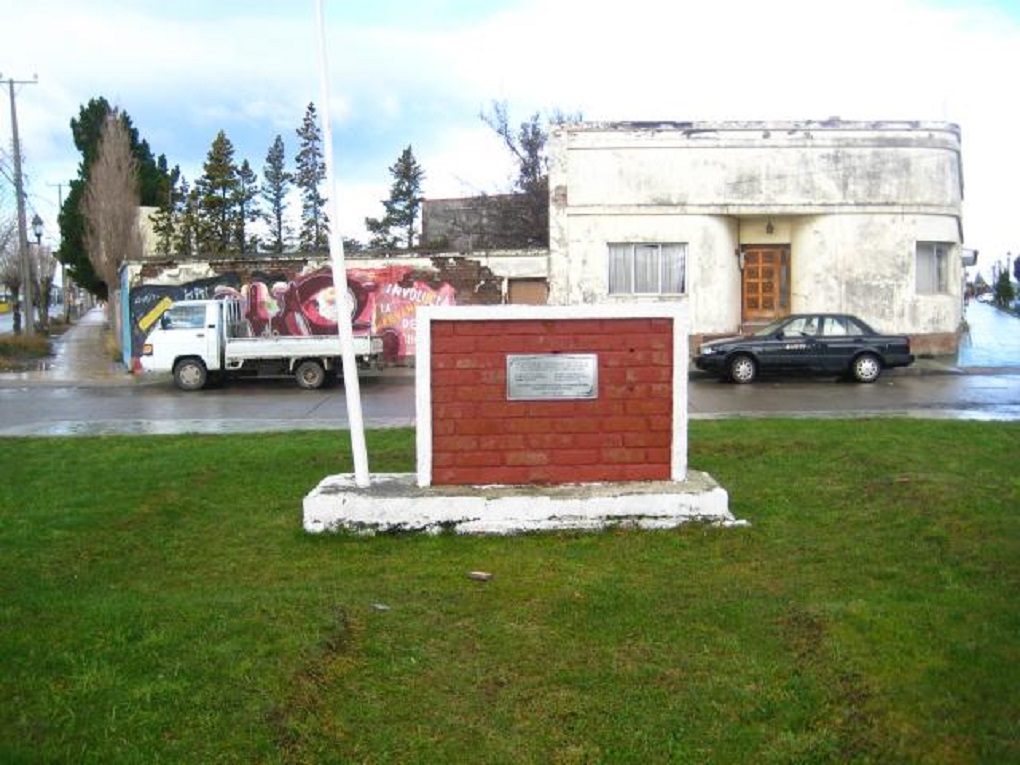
pixel 479 438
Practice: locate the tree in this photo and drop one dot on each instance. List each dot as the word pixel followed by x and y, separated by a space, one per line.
pixel 187 222
pixel 86 130
pixel 397 227
pixel 247 209
pixel 166 219
pixel 110 205
pixel 10 267
pixel 522 219
pixel 1004 292
pixel 311 172
pixel 217 194
pixel 526 220
pixel 44 270
pixel 275 184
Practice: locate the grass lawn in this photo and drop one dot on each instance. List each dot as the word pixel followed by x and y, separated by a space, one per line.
pixel 162 604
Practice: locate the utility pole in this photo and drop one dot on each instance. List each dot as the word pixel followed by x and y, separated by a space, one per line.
pixel 19 189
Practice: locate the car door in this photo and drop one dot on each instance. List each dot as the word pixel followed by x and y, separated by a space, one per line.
pixel 839 340
pixel 795 349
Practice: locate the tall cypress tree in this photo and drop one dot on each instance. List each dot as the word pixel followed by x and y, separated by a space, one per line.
pixel 311 172
pixel 217 199
pixel 397 227
pixel 275 184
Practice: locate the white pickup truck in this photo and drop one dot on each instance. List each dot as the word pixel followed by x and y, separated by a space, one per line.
pixel 199 339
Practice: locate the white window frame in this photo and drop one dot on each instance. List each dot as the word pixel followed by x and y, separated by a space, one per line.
pixel 931 264
pixel 622 259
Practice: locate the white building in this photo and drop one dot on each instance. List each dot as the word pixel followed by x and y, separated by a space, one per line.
pixel 754 220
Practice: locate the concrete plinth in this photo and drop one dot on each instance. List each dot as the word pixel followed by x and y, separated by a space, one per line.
pixel 394 502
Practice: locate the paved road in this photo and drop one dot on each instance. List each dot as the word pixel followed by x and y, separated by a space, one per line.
pixel 83 392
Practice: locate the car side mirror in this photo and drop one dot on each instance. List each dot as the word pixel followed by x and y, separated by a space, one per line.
pixel 164 321
pixel 780 335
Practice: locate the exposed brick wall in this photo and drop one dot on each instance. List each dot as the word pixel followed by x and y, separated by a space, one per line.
pixel 478 437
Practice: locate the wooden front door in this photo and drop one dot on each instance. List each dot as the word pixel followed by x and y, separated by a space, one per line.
pixel 766 283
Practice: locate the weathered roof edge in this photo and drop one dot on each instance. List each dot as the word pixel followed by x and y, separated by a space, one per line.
pixel 832 123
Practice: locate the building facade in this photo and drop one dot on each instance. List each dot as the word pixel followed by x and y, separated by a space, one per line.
pixel 751 221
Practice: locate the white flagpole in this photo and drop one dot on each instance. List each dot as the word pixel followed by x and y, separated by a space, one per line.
pixel 352 385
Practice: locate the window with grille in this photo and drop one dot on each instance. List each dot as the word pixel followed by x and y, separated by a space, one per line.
pixel 647 269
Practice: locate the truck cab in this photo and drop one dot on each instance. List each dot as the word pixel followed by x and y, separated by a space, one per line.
pixel 189 341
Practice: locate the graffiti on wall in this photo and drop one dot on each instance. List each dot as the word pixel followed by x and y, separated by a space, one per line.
pixel 394 294
pixel 383 302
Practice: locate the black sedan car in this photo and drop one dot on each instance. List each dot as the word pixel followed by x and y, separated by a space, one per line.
pixel 816 343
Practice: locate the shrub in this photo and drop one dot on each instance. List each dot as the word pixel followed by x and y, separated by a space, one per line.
pixel 24 347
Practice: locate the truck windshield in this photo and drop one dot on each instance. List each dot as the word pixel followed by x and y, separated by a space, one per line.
pixel 184 317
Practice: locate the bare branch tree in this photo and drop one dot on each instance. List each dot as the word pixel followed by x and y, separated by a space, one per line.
pixel 110 205
pixel 44 270
pixel 522 217
pixel 10 266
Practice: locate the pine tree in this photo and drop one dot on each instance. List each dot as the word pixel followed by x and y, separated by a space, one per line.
pixel 247 209
pixel 166 219
pixel 397 227
pixel 217 191
pixel 311 172
pixel 275 184
pixel 187 226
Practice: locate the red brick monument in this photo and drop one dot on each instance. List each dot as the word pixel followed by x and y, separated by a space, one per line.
pixel 539 417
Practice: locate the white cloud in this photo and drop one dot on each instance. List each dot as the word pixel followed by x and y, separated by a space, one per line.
pixel 417 74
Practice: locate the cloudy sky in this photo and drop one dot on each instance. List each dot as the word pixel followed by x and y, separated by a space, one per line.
pixel 419 72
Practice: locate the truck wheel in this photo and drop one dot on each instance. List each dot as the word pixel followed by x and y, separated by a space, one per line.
pixel 190 374
pixel 310 375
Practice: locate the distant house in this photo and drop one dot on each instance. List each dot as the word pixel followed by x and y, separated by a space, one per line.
pixel 755 220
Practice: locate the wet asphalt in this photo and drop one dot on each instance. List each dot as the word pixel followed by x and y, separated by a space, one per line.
pixel 81 390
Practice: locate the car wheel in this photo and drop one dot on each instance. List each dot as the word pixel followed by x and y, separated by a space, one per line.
pixel 866 368
pixel 310 375
pixel 742 369
pixel 190 374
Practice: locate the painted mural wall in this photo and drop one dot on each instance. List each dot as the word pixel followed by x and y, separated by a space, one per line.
pixel 301 302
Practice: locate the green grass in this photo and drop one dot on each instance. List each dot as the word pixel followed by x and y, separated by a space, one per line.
pixel 161 604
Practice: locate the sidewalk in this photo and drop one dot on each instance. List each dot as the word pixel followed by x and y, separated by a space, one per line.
pixel 80 357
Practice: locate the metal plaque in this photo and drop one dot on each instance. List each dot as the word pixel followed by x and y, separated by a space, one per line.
pixel 552 376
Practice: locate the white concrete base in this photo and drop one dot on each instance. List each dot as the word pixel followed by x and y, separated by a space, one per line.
pixel 395 503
